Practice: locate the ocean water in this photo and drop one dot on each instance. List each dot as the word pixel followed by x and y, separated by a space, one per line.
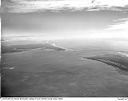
pixel 40 72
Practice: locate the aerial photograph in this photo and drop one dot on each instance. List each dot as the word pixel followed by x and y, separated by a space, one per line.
pixel 64 48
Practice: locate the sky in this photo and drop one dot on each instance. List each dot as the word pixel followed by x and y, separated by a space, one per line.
pixel 64 19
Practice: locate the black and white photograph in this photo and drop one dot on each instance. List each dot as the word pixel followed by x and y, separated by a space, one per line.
pixel 64 48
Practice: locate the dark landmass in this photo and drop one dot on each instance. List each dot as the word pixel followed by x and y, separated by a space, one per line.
pixel 117 60
pixel 21 48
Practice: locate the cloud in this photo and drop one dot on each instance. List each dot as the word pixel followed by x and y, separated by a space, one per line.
pixel 122 25
pixel 119 29
pixel 42 5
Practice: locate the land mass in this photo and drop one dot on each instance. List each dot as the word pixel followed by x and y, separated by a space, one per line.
pixel 119 60
pixel 27 47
